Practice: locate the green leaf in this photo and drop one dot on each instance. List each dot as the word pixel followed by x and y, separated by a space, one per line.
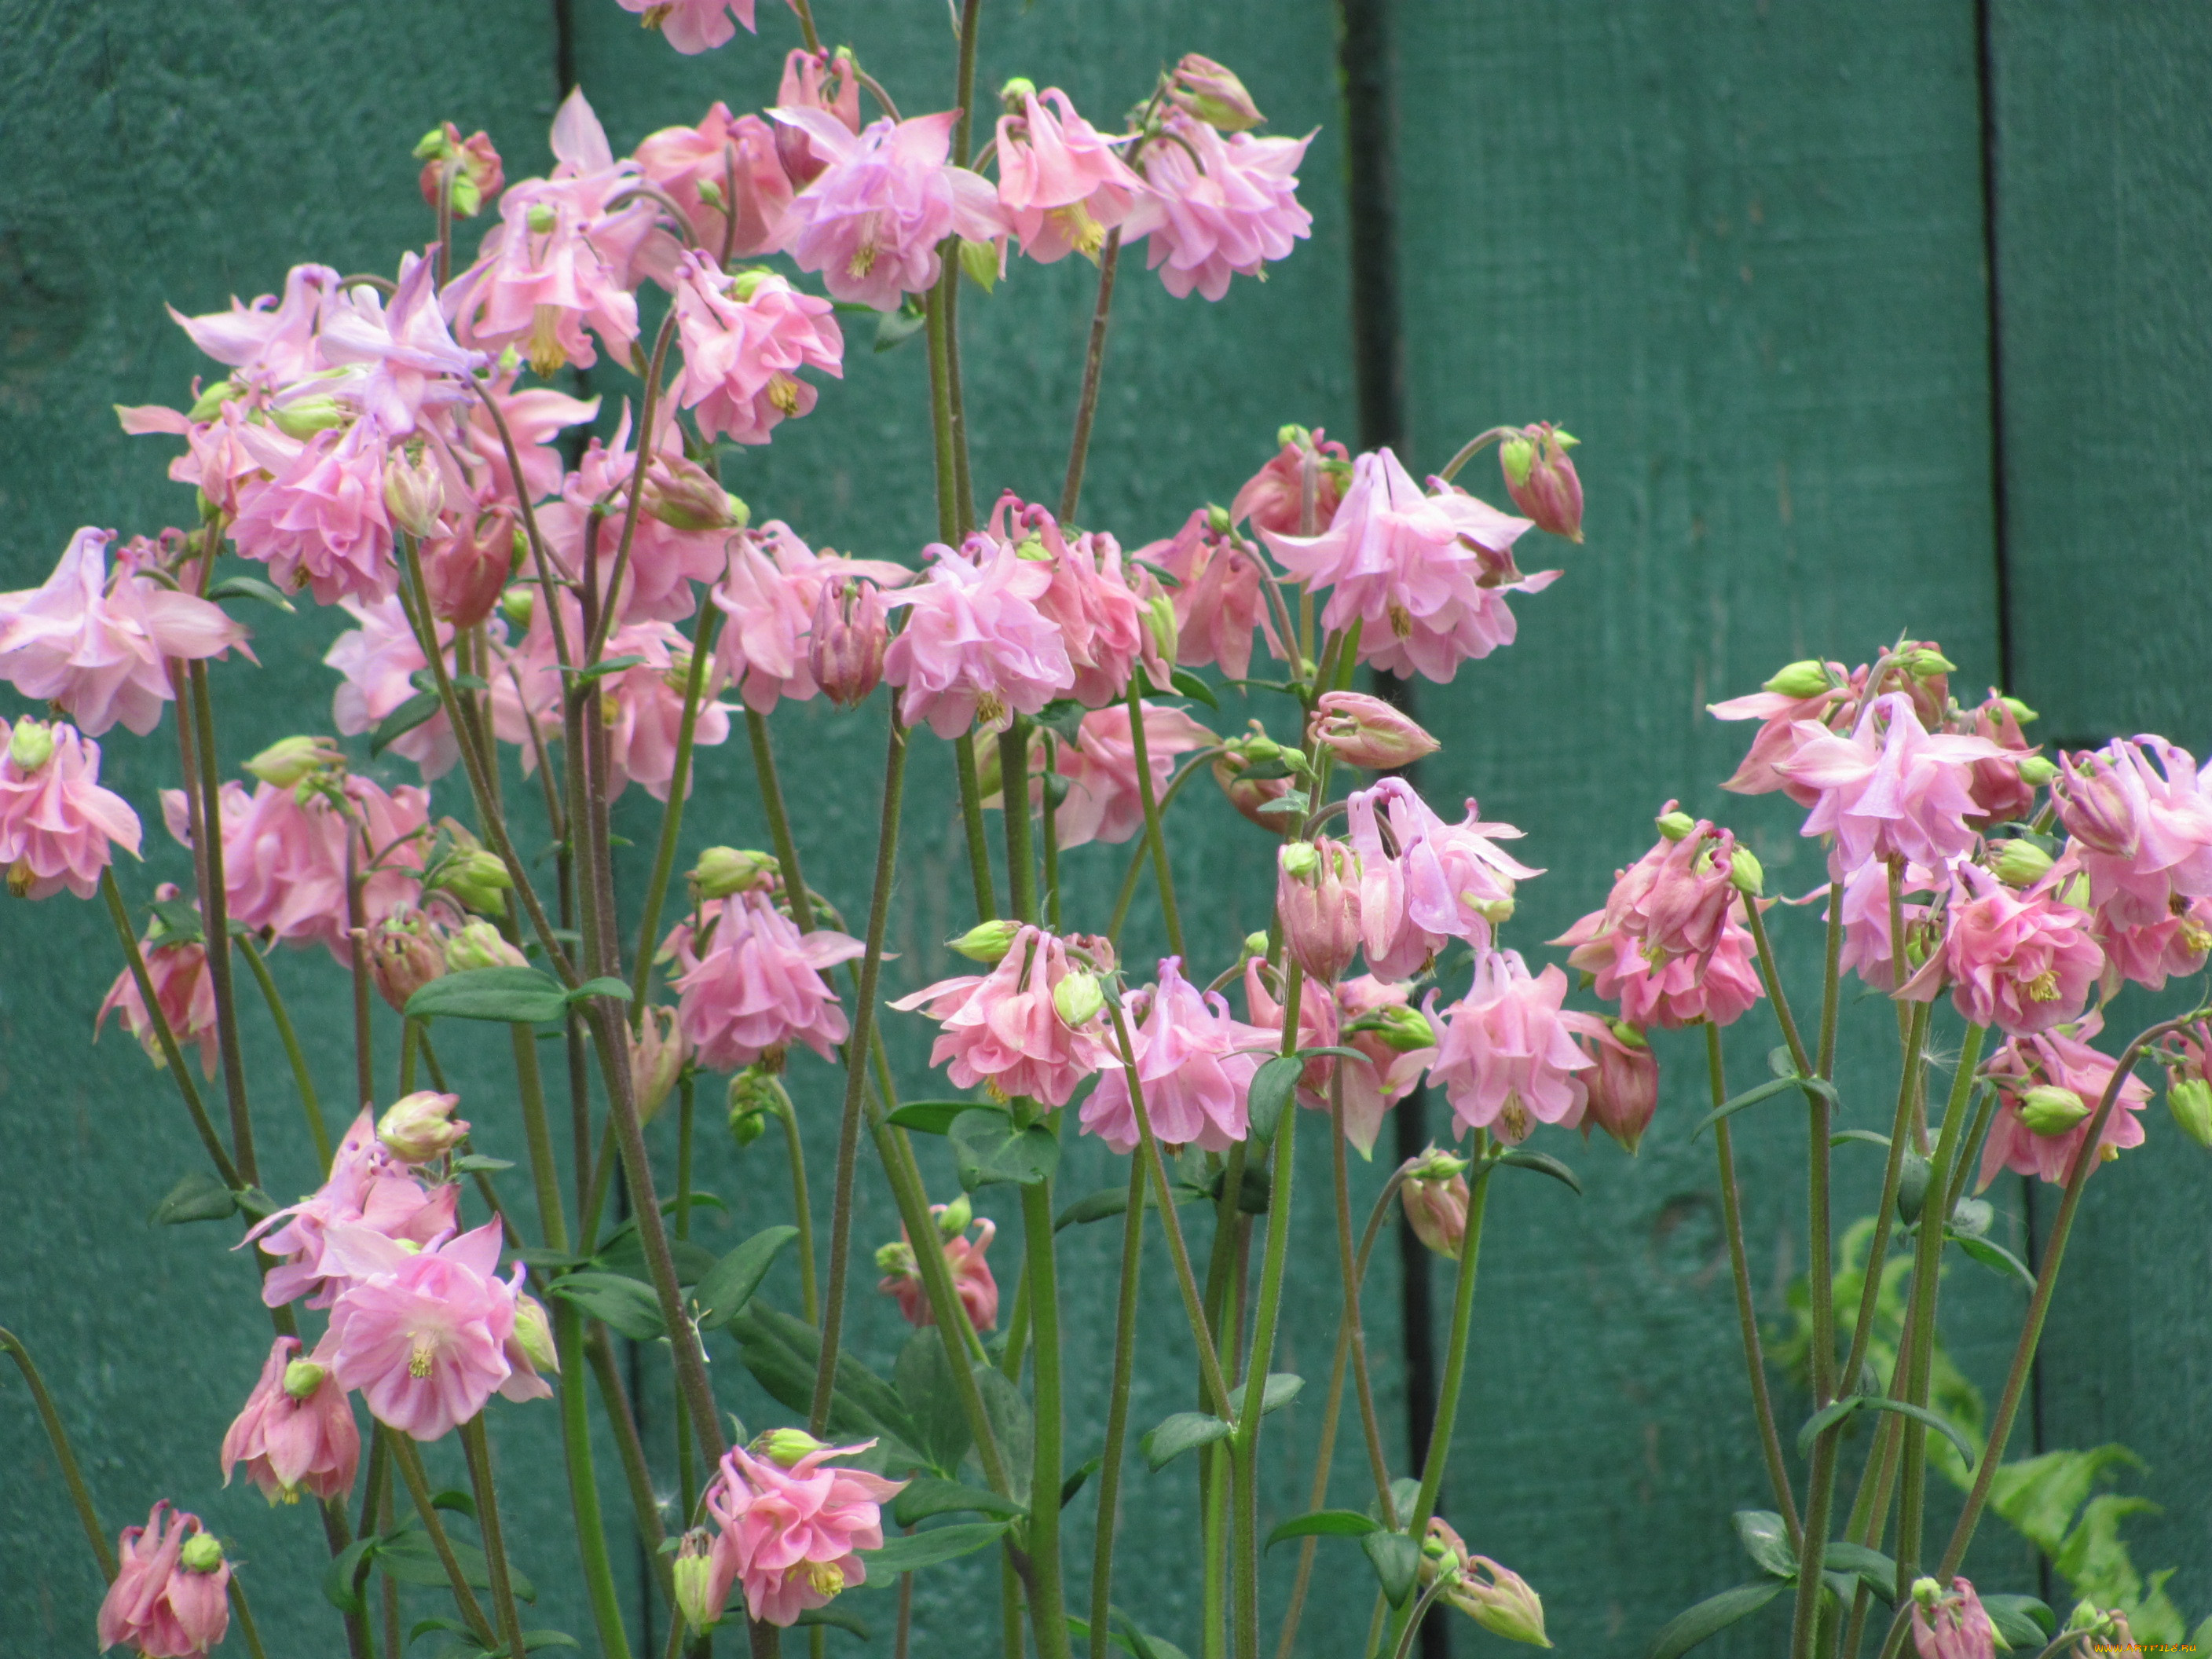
pixel 915 1551
pixel 459 1503
pixel 1543 1164
pixel 934 1117
pixel 1324 1523
pixel 988 1149
pixel 1195 688
pixel 605 985
pixel 895 328
pixel 1871 1567
pixel 1278 1390
pixel 1995 1257
pixel 180 920
pixel 250 588
pixel 1075 1481
pixel 415 711
pixel 2022 1620
pixel 254 1204
pixel 625 1255
pixel 341 1578
pixel 1175 1434
pixel 198 1197
pixel 601 669
pixel 1094 1207
pixel 534 1639
pixel 926 1496
pixel 1820 1421
pixel 1273 1086
pixel 1870 1136
pixel 927 1385
pixel 1752 1097
pixel 730 1284
pixel 410 1558
pixel 624 1304
pixel 471 1163
pixel 1396 1558
pixel 1063 717
pixel 520 996
pixel 1765 1539
pixel 837 1618
pixel 782 1352
pixel 1712 1616
pixel 1140 1644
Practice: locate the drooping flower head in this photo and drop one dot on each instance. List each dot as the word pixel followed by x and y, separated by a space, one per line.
pixel 824 81
pixel 1951 1626
pixel 183 988
pixel 1423 882
pixel 318 520
pixel 976 644
pixel 170 1598
pixel 2142 834
pixel 2022 963
pixel 366 1186
pixel 1803 694
pixel 695 25
pixel 1194 1064
pixel 1624 1084
pixel 1273 499
pixel 1103 802
pixel 297 1430
pixel 1376 1017
pixel 972 1280
pixel 1030 1026
pixel 1062 183
pixel 1507 1058
pixel 791 1527
pixel 1317 901
pixel 1891 789
pixel 58 827
pixel 1217 595
pixel 681 534
pixel 771 598
pixel 744 340
pixel 1215 206
pixel 757 986
pixel 726 168
pixel 2049 1085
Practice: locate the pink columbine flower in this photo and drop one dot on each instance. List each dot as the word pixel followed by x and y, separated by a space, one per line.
pixel 1672 903
pixel 1869 951
pixel 2151 954
pixel 1273 499
pixel 1225 213
pixel 319 521
pixel 851 632
pixel 822 80
pixel 297 1430
pixel 170 1599
pixel 398 360
pixel 367 1188
pixel 791 1527
pixel 182 987
pixel 976 644
pixel 1195 1062
pixel 1541 478
pixel 377 662
pixel 96 649
pixel 1376 1017
pixel 1719 986
pixel 1089 602
pixel 58 827
pixel 1624 1084
pixel 757 988
pixel 744 337
pixel 727 166
pixel 1828 697
pixel 972 1281
pixel 1061 182
pixel 695 25
pixel 1435 1209
pixel 2143 834
pixel 665 557
pixel 1427 574
pixel 2000 791
pixel 1317 898
pixel 1953 1626
pixel 872 220
pixel 1367 732
pixel 1217 597
pixel 1005 1029
pixel 1318 1018
pixel 1103 802
pixel 2056 1060
pixel 271 342
pixel 1429 882
pixel 642 706
pixel 771 597
pixel 535 420
pixel 2020 962
pixel 1889 790
pixel 1507 1058
pixel 466 569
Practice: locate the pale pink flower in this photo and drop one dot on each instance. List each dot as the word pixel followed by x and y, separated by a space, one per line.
pixel 1228 219
pixel 1672 903
pixel 2151 954
pixel 735 159
pixel 1004 1031
pixel 58 827
pixel 1507 1057
pixel 1540 476
pixel 296 1431
pixel 972 1280
pixel 743 338
pixel 1785 723
pixel 1099 618
pixel 1869 951
pixel 1437 1212
pixel 1957 1627
pixel 1062 183
pixel 423 1334
pixel 1429 882
pixel 182 987
pixel 1427 574
pixel 378 661
pixel 1195 1062
pixel 367 1188
pixel 757 988
pixel 583 531
pixel 1318 1018
pixel 2020 962
pixel 792 1533
pixel 400 361
pixel 535 419
pixel 2143 836
pixel 467 569
pixel 771 597
pixel 1217 595
pixel 695 25
pixel 821 81
pixel 215 462
pixel 1999 790
pixel 851 633
pixel 1103 802
pixel 1387 1074
pixel 1274 498
pixel 271 344
pixel 871 221
pixel 97 649
pixel 974 644
pixel 160 1606
pixel 1623 1086
pixel 642 708
pixel 319 521
pixel 1719 986
pixel 1317 901
pixel 1890 789
pixel 2063 1060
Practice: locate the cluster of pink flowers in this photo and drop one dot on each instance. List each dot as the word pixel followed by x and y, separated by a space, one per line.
pixel 790 1528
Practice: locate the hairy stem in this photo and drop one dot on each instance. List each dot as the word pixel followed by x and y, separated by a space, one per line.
pixel 58 1437
pixel 1153 838
pixel 409 1461
pixel 1245 1446
pixel 478 1450
pixel 1047 1601
pixel 584 1484
pixel 672 816
pixel 214 916
pixel 1086 406
pixel 302 1079
pixel 1117 1413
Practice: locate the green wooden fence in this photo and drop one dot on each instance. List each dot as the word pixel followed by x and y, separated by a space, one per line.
pixel 1871 318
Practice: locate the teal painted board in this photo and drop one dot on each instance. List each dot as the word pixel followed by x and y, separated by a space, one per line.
pixel 2104 185
pixel 1736 250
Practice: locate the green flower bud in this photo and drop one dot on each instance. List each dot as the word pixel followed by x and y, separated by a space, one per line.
pixel 1517 456
pixel 1925 662
pixel 2022 863
pixel 722 870
pixel 31 745
pixel 1292 435
pixel 980 260
pixel 1300 860
pixel 303 417
pixel 202 1553
pixel 534 1334
pixel 2035 771
pixel 1805 678
pixel 302 1377
pixel 2049 1109
pixel 209 402
pixel 987 942
pixel 519 603
pixel 1218 519
pixel 896 1260
pixel 1437 1165
pixel 477 878
pixel 2020 711
pixel 541 218
pixel 2190 1100
pixel 954 1219
pixel 694 1574
pixel 1017 88
pixel 1404 1029
pixel 478 945
pixel 1927 1592
pixel 1497 912
pixel 1745 872
pixel 1160 621
pixel 785 1447
pixel 290 761
pixel 1675 825
pixel 1256 944
pixel 1079 997
pixel 417 1128
pixel 1627 1033
pixel 756 1094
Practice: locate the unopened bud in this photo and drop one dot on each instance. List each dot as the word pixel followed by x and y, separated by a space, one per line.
pixel 1160 622
pixel 1256 944
pixel 2190 1100
pixel 534 1334
pixel 1403 1029
pixel 1541 479
pixel 1367 731
pixel 290 761
pixel 477 878
pixel 2049 1109
pixel 722 870
pixel 540 218
pixel 1497 912
pixel 1079 997
pixel 1925 662
pixel 519 604
pixel 1218 519
pixel 693 1572
pixel 987 942
pixel 1213 94
pixel 302 1377
pixel 684 495
pixel 209 405
pixel 31 745
pixel 1927 1592
pixel 896 1260
pixel 414 493
pixel 1805 678
pixel 1017 88
pixel 405 953
pixel 1745 872
pixel 202 1553
pixel 755 1096
pixel 2035 771
pixel 2020 711
pixel 1299 859
pixel 980 260
pixel 954 1219
pixel 845 651
pixel 2022 863
pixel 1501 1601
pixel 303 417
pixel 478 945
pixel 658 1052
pixel 420 1126
pixel 1435 1163
pixel 1675 825
pixel 1437 1212
pixel 785 1447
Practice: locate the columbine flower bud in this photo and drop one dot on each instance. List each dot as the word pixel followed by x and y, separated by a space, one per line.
pixel 1746 874
pixel 202 1553
pixel 722 870
pixel 209 405
pixel 754 1097
pixel 414 493
pixel 1541 479
pixel 1160 623
pixel 683 495
pixel 1079 997
pixel 290 761
pixel 2022 863
pixel 2048 1110
pixel 1018 88
pixel 1501 1601
pixel 693 1573
pixel 1216 516
pixel 852 631
pixel 1317 895
pixel 1251 796
pixel 302 1377
pixel 1256 944
pixel 1435 1163
pixel 1674 824
pixel 785 1447
pixel 534 1334
pixel 1437 1212
pixel 1497 912
pixel 32 745
pixel 896 1258
pixel 987 942
pixel 2190 1100
pixel 420 1126
pixel 303 417
pixel 1806 678
pixel 405 953
pixel 1213 94
pixel 954 1219
pixel 657 1053
pixel 518 605
pixel 478 945
pixel 2035 771
pixel 1367 731
pixel 1402 1029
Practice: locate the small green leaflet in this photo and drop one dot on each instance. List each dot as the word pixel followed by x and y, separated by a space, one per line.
pixel 1822 1421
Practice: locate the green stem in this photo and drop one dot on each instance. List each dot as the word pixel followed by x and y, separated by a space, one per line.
pixel 941 406
pixel 584 1484
pixel 803 1213
pixel 1437 1587
pixel 1014 798
pixel 1153 838
pixel 215 915
pixel 246 1627
pixel 364 1045
pixel 795 891
pixel 1048 826
pixel 410 1461
pixel 672 816
pixel 648 409
pixel 637 1475
pixel 411 1045
pixel 1777 1471
pixel 971 818
pixel 58 1437
pixel 1470 1258
pixel 1244 1448
pixel 1117 1413
pixel 302 1079
pixel 1086 406
pixel 537 1137
pixel 1831 983
pixel 478 1451
pixel 1047 1601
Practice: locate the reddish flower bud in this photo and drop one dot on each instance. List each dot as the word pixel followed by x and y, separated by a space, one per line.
pixel 845 651
pixel 467 571
pixel 1367 731
pixel 683 495
pixel 406 951
pixel 658 1052
pixel 1213 94
pixel 420 1126
pixel 1252 795
pixel 1624 1089
pixel 1541 479
pixel 1437 1212
pixel 1317 895
pixel 468 168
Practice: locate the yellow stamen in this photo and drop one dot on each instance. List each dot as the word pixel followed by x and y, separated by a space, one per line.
pixel 864 260
pixel 783 392
pixel 418 1361
pixel 547 354
pixel 827 1576
pixel 1084 234
pixel 2044 987
pixel 1402 621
